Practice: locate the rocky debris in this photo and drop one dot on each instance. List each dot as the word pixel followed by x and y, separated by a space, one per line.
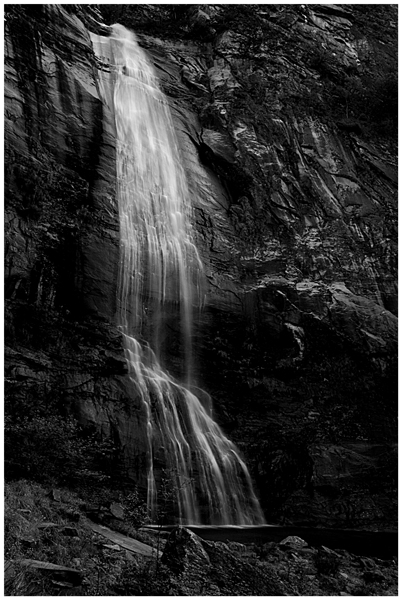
pixel 212 568
pixel 184 551
pixel 290 568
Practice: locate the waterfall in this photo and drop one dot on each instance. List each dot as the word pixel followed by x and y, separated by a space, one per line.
pixel 161 273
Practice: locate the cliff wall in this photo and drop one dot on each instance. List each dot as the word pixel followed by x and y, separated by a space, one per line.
pixel 286 123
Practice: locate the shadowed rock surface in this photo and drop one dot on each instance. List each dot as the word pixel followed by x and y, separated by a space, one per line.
pixel 289 150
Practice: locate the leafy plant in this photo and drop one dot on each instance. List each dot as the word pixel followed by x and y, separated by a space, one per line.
pixel 136 512
pixel 47 448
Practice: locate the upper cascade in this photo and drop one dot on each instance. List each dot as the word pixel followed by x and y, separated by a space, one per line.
pixel 160 274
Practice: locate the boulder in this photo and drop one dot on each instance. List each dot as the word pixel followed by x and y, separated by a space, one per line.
pixel 293 542
pixel 184 552
pixel 212 568
pixel 117 511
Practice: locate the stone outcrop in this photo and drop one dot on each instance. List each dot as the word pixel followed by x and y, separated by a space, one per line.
pixel 294 195
pixel 290 567
pixel 213 569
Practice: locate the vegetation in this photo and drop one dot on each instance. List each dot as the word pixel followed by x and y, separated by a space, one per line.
pixel 107 570
pixel 35 529
pixel 363 101
pixel 50 525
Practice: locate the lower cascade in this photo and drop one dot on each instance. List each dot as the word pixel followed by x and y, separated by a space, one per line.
pixel 161 275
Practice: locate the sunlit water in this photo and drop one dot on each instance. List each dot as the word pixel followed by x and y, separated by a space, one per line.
pixel 159 268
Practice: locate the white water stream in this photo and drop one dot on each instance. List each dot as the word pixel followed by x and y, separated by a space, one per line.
pixel 160 269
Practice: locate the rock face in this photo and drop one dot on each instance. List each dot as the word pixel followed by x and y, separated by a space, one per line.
pixel 286 141
pixel 62 249
pixel 213 569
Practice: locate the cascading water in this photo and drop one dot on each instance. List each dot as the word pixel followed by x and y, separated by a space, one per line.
pixel 160 267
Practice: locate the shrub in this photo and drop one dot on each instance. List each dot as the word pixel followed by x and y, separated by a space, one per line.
pixel 46 448
pixel 136 512
pixel 144 578
pixel 324 61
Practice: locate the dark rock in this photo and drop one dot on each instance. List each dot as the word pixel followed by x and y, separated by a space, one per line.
pixel 70 531
pixel 27 542
pixel 71 515
pixel 328 551
pixel 184 551
pixel 373 576
pixel 56 495
pixel 350 126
